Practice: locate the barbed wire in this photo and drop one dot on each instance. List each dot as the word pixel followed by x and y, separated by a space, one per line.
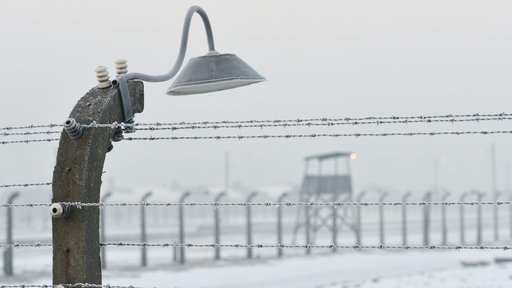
pixel 290 246
pixel 32 126
pixel 295 123
pixel 313 246
pixel 26 141
pixel 5 134
pixel 25 185
pixel 76 285
pixel 25 245
pixel 283 136
pixel 280 122
pixel 320 135
pixel 267 204
pixel 375 119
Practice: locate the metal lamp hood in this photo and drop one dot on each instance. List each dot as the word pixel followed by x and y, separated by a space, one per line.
pixel 213 72
pixel 209 73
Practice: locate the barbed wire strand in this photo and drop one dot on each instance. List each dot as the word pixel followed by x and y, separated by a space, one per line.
pixel 321 135
pixel 281 123
pixel 290 246
pixel 165 127
pixel 25 185
pixel 313 124
pixel 276 121
pixel 36 126
pixel 26 141
pixel 266 204
pixel 5 134
pixel 76 285
pixel 284 136
pixel 363 120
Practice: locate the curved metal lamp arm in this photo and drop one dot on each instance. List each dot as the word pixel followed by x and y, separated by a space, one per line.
pixel 122 81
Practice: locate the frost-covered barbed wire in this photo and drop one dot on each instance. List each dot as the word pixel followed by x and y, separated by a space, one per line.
pixel 28 133
pixel 32 126
pixel 76 285
pixel 475 117
pixel 283 136
pixel 290 246
pixel 24 245
pixel 319 135
pixel 25 184
pixel 300 123
pixel 27 141
pixel 314 246
pixel 266 204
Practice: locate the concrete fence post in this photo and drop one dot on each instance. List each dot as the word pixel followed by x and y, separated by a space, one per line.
pixel 8 262
pixel 496 212
pixel 249 224
pixel 426 218
pixel 280 224
pixel 308 227
pixel 479 218
pixel 381 218
pixel 77 178
pixel 444 226
pixel 404 218
pixel 181 232
pixel 359 225
pixel 462 220
pixel 216 215
pixel 143 234
pixel 103 233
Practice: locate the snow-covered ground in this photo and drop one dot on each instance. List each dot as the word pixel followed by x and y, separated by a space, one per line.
pixel 347 269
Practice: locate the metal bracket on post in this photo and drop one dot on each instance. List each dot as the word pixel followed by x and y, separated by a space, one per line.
pixel 77 178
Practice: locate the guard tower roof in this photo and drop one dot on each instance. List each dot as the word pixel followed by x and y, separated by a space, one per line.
pixel 326 156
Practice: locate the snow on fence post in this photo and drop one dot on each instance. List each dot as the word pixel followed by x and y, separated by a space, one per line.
pixel 77 178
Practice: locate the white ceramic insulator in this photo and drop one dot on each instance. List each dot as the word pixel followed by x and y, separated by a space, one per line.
pixel 56 210
pixel 121 67
pixel 103 78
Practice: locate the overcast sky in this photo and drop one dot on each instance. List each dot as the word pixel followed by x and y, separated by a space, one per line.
pixel 321 59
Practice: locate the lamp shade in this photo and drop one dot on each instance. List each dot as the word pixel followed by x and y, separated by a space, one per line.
pixel 213 72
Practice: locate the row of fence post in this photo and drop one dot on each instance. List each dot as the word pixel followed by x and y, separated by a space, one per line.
pixel 426 223
pixel 179 253
pixel 180 257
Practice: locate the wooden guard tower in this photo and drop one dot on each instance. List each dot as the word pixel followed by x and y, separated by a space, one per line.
pixel 332 181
